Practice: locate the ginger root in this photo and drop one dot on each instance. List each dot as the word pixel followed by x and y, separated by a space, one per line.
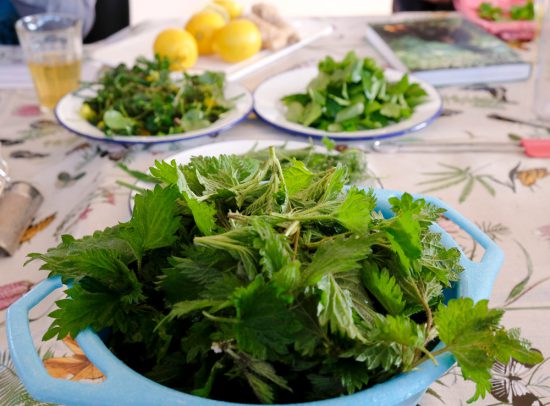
pixel 276 32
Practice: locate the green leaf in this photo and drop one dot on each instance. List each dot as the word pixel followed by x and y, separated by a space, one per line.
pixel 182 309
pixel 274 248
pixel 312 112
pixel 197 342
pixel 384 288
pixel 338 255
pixel 116 121
pixel 308 339
pixel 204 214
pixel 473 334
pixel 165 172
pixel 274 197
pixel 294 112
pixel 336 309
pixel 334 183
pixel 393 341
pixel 194 275
pixel 399 87
pixel 399 330
pixel 82 309
pixel 302 98
pixel 403 233
pixel 265 324
pixel 288 277
pixel 64 259
pixel 356 210
pixel 353 375
pixel 205 390
pixel 262 390
pixel 266 370
pixel 155 220
pixel 99 259
pixel 349 112
pixel 237 244
pixel 391 110
pixel 443 263
pixel 297 177
pixel 362 303
pixel 137 174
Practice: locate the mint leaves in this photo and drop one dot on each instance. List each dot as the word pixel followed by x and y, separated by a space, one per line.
pixel 262 278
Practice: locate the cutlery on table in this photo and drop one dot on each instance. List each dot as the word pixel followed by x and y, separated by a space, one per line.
pixel 534 148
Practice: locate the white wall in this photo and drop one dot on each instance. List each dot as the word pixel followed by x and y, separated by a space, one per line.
pixel 161 9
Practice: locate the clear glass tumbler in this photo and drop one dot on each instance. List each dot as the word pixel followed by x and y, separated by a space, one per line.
pixel 4 178
pixel 52 47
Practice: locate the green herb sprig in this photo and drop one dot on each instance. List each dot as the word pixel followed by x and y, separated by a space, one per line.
pixel 351 95
pixel 146 100
pixel 244 279
pixel 490 12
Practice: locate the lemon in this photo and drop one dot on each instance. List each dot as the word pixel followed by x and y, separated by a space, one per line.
pixel 202 26
pixel 218 9
pixel 178 46
pixel 237 40
pixel 234 8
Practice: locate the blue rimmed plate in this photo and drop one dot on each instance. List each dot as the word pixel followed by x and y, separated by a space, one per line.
pixel 268 107
pixel 67 113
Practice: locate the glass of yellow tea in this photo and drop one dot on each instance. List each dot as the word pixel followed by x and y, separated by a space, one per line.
pixel 52 46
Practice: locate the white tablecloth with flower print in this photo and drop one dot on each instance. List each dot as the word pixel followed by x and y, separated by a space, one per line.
pixel 505 194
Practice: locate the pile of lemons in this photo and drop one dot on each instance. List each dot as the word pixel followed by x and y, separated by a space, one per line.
pixel 218 29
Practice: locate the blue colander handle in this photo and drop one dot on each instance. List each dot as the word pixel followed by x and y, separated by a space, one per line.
pixel 478 278
pixel 122 385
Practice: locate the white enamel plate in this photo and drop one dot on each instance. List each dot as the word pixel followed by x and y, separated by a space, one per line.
pixel 268 106
pixel 67 113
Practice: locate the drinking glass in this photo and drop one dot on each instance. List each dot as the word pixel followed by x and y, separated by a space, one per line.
pixel 4 178
pixel 52 47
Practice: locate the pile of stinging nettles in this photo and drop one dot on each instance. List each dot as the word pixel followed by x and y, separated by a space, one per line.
pixel 254 279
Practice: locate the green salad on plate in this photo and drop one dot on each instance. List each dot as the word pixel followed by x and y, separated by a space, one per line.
pixel 352 95
pixel 146 99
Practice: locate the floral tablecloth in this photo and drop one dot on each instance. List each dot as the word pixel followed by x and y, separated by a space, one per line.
pixel 505 194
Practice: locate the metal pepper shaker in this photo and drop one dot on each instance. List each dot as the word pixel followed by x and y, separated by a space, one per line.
pixel 18 205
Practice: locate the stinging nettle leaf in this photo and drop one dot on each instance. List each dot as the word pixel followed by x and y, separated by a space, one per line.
pixel 204 214
pixel 384 288
pixel 338 255
pixel 155 218
pixel 265 324
pixel 356 209
pixel 472 332
pixel 335 308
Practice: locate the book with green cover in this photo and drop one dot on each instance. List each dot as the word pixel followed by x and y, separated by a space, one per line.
pixel 447 50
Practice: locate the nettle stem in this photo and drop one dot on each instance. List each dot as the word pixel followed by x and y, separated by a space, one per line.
pixel 430 355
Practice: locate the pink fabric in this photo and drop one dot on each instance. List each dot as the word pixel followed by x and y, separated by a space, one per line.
pixel 507 30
